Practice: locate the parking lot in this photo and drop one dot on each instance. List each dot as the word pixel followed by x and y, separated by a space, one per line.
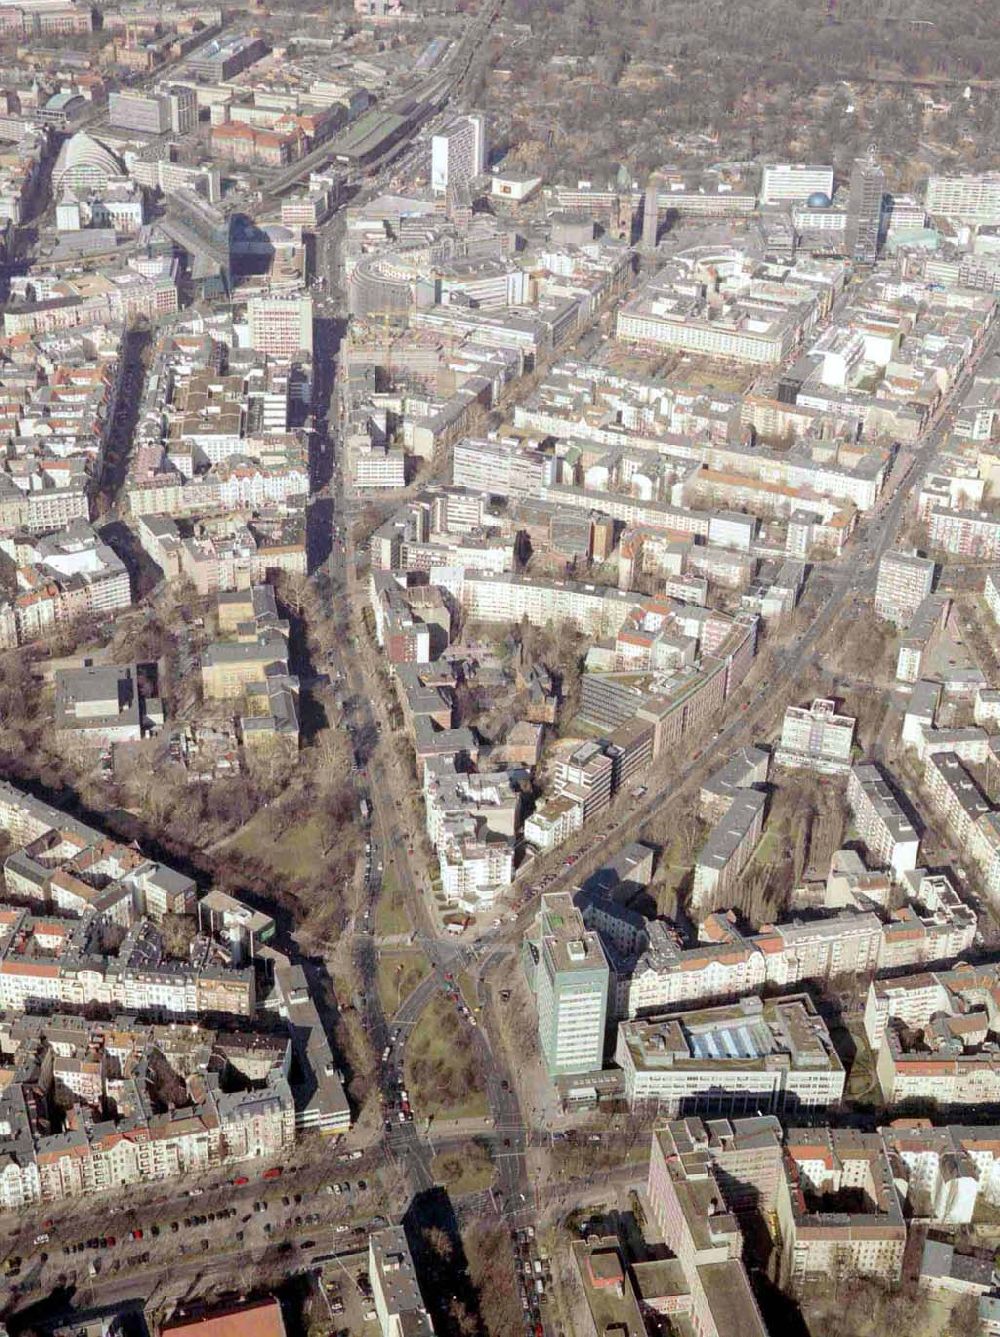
pixel 240 1216
pixel 346 1288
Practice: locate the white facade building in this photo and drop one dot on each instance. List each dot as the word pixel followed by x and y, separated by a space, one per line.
pixel 795 182
pixel 458 153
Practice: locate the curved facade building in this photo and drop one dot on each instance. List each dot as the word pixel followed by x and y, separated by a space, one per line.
pixel 380 286
pixel 84 163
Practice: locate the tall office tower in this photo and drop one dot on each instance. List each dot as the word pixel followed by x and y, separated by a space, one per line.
pixel 280 325
pixel 183 107
pixel 458 153
pixel 568 971
pixel 651 214
pixel 864 209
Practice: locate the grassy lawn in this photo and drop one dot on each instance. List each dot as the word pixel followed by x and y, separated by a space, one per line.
pixel 703 375
pixel 467 988
pixel 442 1070
pixel 399 973
pixel 391 915
pixel 295 854
pixel 767 848
pixel 467 1169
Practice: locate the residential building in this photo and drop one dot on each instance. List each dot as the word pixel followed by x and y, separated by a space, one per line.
pixel 128 1067
pixel 745 1155
pixel 64 576
pixel 395 1290
pixel 586 775
pixel 745 769
pixel 956 796
pixel 553 821
pixel 816 738
pixel 973 198
pixel 971 534
pixel 608 1288
pixel 944 1172
pixel 728 848
pixel 320 1100
pixel 689 1204
pixel 935 1037
pixel 991 593
pixel 926 625
pixel 889 835
pixel 839 1212
pixel 904 581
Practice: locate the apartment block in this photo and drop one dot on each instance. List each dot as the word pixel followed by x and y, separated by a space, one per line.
pixel 945 1171
pixel 816 738
pixel 915 999
pixel 986 851
pixel 726 963
pixel 569 975
pixel 956 796
pixel 772 1056
pixel 586 775
pixel 610 1291
pixel 690 1208
pixel 904 581
pixel 65 576
pixel 746 769
pixel 934 925
pixel 991 593
pixel 553 821
pixel 839 1213
pixel 926 625
pixel 398 1302
pixel 972 198
pixel 935 1037
pixel 174 1114
pixel 745 1155
pixel 728 848
pixel 972 534
pixel 890 837
pixel 475 872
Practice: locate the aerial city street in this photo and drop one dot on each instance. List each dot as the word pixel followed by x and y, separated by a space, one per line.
pixel 499 669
